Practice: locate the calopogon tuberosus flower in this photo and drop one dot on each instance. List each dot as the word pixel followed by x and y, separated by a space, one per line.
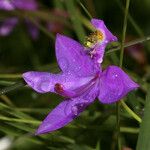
pixel 80 81
pixel 97 41
pixel 8 24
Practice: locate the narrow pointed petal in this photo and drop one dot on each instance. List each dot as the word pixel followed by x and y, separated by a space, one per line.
pixel 72 58
pixel 41 82
pixel 7 26
pixel 63 84
pixel 63 114
pixel 100 25
pixel 114 85
pixel 67 110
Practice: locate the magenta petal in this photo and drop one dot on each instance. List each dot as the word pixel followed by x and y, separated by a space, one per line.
pixel 67 110
pixel 99 25
pixel 63 114
pixel 71 57
pixel 6 5
pixel 100 49
pixel 114 85
pixel 25 4
pixel 43 82
pixel 7 26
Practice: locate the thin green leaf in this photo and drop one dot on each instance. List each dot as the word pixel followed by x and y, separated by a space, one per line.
pixel 144 135
pixel 74 15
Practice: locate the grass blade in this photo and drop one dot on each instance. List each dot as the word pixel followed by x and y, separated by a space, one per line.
pixel 144 135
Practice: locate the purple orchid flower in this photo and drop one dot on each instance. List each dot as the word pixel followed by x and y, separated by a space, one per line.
pixel 7 26
pixel 81 81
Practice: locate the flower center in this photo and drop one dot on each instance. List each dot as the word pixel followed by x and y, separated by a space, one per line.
pixel 94 38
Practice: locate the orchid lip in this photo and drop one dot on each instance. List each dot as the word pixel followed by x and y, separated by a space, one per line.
pixel 60 89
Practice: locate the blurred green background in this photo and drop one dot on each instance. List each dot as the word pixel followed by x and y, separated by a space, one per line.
pixel 22 109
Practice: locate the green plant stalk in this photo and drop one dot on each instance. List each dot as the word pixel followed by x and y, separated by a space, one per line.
pixel 35 122
pixel 7 100
pixel 118 125
pixel 129 130
pixel 74 16
pixel 124 32
pixel 121 62
pixel 128 44
pixel 11 76
pixel 12 87
pixel 85 9
pixel 132 21
pixel 134 115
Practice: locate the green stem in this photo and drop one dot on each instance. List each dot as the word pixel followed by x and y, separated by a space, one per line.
pixel 124 32
pixel 131 19
pixel 128 44
pixel 133 114
pixel 12 87
pixel 12 76
pixel 74 16
pixel 85 9
pixel 20 120
pixel 7 100
pixel 6 83
pixel 121 62
pixel 129 130
pixel 118 125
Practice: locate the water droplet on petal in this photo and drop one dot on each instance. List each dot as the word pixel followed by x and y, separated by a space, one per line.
pixel 75 110
pixel 100 60
pixel 44 86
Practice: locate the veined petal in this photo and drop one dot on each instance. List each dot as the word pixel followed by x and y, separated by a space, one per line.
pixel 72 58
pixel 7 26
pixel 99 25
pixel 66 111
pixel 63 84
pixel 114 85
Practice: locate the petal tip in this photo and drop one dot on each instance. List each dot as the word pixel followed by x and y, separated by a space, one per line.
pixel 60 39
pixel 39 132
pixel 135 86
pixel 45 128
pixel 114 39
pixel 27 77
pixel 26 74
pixel 97 22
pixel 58 34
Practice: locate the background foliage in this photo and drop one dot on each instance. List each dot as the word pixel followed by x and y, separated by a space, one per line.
pixel 22 109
